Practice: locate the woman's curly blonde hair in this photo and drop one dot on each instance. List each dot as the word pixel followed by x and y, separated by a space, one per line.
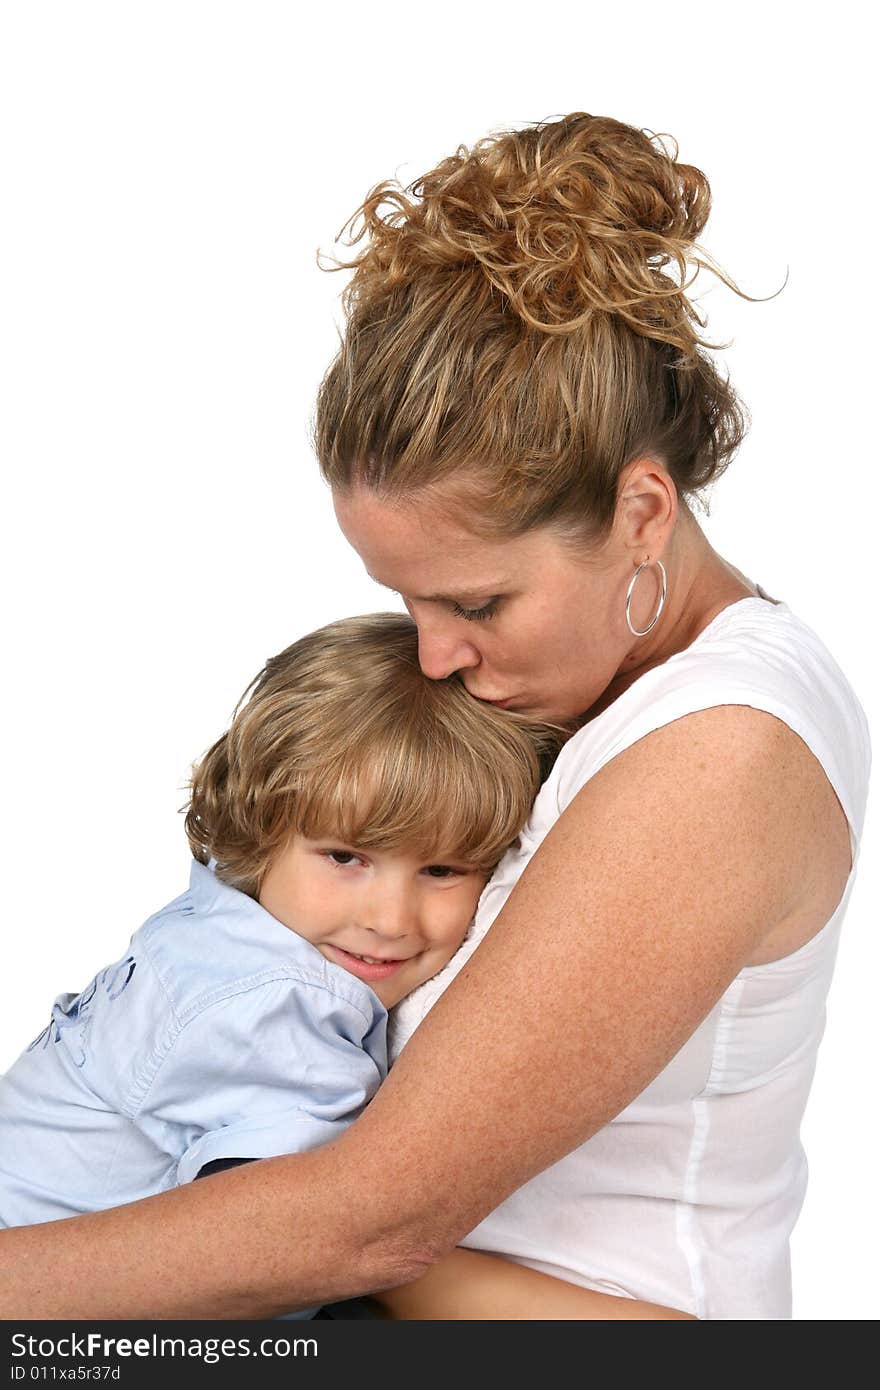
pixel 341 735
pixel 519 330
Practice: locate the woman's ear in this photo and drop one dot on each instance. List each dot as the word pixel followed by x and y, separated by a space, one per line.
pixel 647 507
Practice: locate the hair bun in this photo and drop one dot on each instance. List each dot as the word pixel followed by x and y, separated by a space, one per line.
pixel 565 218
pixel 519 323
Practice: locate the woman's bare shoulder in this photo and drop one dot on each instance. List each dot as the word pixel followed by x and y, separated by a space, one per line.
pixel 748 794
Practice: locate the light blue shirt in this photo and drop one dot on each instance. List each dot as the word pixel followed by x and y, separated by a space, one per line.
pixel 219 1034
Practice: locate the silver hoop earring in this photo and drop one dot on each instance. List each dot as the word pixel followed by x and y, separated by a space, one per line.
pixel 629 593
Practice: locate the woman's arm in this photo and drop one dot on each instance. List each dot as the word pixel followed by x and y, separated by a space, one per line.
pixel 476 1287
pixel 645 900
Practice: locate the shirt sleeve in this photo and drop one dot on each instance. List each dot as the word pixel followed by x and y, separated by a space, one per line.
pixel 277 1067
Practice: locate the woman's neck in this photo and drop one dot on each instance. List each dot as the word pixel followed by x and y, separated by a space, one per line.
pixel 701 584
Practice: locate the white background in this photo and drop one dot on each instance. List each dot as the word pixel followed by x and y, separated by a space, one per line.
pixel 168 172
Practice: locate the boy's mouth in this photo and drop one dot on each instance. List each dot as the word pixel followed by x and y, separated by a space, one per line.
pixel 366 967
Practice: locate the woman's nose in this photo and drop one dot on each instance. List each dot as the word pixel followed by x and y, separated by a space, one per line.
pixel 443 651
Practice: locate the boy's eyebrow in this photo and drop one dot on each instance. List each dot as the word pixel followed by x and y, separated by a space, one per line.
pixel 493 589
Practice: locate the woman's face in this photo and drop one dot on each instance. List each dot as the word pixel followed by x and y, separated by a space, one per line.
pixel 526 621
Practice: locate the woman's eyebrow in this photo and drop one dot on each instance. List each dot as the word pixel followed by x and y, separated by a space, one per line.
pixel 463 595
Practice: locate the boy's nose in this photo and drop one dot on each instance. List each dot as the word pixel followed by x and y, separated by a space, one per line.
pixel 388 914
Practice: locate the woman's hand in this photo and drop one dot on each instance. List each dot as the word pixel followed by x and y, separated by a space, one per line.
pixel 477 1287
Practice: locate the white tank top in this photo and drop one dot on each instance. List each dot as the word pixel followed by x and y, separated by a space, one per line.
pixel 688 1197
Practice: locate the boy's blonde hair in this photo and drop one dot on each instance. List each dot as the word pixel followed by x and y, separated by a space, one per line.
pixel 344 737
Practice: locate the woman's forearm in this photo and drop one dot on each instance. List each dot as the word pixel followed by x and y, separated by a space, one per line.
pixel 509 1072
pixel 266 1239
pixel 471 1285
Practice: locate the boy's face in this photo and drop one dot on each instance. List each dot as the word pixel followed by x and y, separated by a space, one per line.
pixel 387 916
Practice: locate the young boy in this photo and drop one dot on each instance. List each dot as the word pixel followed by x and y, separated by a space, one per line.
pixel 342 830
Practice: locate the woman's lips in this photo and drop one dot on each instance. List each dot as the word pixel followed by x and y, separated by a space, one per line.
pixel 363 968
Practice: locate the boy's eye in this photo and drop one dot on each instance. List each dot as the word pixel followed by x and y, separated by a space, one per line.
pixel 441 871
pixel 476 614
pixel 341 856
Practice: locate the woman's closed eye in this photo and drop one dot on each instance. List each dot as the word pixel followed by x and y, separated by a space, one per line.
pixel 477 614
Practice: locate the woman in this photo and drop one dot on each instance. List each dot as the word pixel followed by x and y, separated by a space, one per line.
pixel 610 1089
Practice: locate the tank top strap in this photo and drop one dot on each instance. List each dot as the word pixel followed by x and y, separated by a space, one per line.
pixel 754 652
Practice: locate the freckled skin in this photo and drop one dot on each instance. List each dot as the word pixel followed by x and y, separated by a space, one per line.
pixel 697 850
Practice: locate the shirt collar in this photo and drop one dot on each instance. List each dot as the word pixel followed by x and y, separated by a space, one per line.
pixel 207 890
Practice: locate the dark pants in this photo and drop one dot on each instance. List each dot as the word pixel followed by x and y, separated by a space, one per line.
pixel 351 1308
